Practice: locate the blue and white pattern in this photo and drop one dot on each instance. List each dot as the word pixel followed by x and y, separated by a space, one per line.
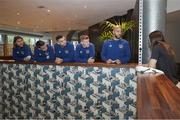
pixel 67 92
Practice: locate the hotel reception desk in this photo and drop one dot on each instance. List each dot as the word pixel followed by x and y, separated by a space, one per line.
pixel 85 91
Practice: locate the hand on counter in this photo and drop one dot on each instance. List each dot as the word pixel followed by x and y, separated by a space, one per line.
pixel 91 60
pixel 118 61
pixel 109 61
pixel 28 58
pixel 58 60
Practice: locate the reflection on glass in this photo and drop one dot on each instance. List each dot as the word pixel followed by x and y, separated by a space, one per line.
pixel 6 48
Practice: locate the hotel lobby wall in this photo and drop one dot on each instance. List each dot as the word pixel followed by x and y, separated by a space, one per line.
pixel 67 34
pixel 172 34
pixel 54 34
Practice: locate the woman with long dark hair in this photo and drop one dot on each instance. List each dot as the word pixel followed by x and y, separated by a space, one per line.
pixel 163 56
pixel 21 51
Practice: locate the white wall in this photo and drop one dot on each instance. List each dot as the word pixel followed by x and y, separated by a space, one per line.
pixel 173 5
pixel 173 26
pixel 173 36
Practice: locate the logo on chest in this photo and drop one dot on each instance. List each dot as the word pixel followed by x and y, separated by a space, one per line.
pixel 110 45
pixel 21 52
pixel 66 51
pixel 47 55
pixel 120 46
pixel 87 51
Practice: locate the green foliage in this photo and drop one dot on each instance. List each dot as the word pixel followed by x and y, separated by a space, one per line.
pixel 107 27
pixel 106 35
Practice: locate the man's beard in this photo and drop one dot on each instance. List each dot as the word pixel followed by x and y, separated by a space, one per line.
pixel 85 45
pixel 117 37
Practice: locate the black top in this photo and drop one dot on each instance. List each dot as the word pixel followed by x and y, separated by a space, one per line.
pixel 165 62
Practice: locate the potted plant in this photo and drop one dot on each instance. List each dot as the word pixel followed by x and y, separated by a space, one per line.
pixel 107 27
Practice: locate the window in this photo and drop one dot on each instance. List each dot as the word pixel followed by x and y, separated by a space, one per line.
pixel 1 40
pixel 1 46
pixel 7 47
pixel 10 39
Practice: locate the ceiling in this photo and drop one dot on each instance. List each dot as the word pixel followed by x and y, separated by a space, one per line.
pixel 59 15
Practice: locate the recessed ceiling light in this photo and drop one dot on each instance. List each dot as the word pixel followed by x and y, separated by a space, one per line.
pixel 18 13
pixel 48 10
pixel 18 22
pixel 85 6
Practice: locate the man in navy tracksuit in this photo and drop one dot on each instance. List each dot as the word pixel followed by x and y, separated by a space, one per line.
pixel 43 52
pixel 64 51
pixel 85 51
pixel 21 51
pixel 116 50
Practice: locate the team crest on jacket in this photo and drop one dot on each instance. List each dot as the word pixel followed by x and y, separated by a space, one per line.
pixel 59 51
pixel 66 51
pixel 110 45
pixel 81 52
pixel 46 53
pixel 87 51
pixel 121 46
pixel 22 52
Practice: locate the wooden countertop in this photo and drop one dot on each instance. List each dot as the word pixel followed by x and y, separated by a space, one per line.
pixel 96 64
pixel 157 98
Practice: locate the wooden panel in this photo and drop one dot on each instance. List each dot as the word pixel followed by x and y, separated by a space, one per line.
pixel 158 98
pixel 6 58
pixel 96 64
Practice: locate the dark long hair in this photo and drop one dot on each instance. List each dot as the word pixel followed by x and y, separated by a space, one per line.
pixel 157 38
pixel 15 39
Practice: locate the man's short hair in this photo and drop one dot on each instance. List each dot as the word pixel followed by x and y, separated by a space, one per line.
pixel 82 37
pixel 39 43
pixel 58 37
pixel 16 38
